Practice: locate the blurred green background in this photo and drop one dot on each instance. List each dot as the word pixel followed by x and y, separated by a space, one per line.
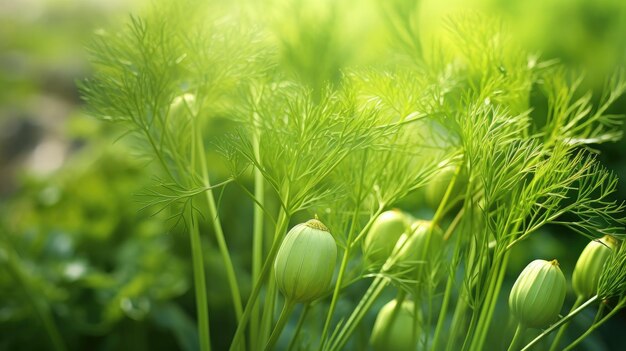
pixel 76 248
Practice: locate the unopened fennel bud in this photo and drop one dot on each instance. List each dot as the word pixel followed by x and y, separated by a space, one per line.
pixel 436 189
pixel 395 328
pixel 589 266
pixel 305 262
pixel 422 243
pixel 538 294
pixel 383 235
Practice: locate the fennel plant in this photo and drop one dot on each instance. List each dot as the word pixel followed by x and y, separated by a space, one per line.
pixel 322 137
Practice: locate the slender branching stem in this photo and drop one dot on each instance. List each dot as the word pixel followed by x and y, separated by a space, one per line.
pixel 448 291
pixel 372 293
pixel 489 305
pixel 296 333
pixel 447 295
pixel 596 325
pixel 280 324
pixel 333 301
pixel 518 338
pixel 281 227
pixel 270 294
pixel 342 270
pixel 458 320
pixel 561 332
pixel 219 233
pixel 257 233
pixel 561 322
pixel 601 308
pixel 199 278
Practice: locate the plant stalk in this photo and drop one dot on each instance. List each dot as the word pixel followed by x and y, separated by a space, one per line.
pixel 219 234
pixel 296 334
pixel 374 290
pixel 202 307
pixel 458 319
pixel 448 291
pixel 495 284
pixel 257 235
pixel 596 325
pixel 281 226
pixel 518 338
pixel 561 322
pixel 270 296
pixel 342 269
pixel 561 332
pixel 280 324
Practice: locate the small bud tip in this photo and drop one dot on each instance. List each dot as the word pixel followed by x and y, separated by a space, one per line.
pixel 316 224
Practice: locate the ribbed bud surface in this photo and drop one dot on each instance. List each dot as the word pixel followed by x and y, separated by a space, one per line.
pixel 394 332
pixel 383 235
pixel 423 243
pixel 538 294
pixel 305 262
pixel 589 266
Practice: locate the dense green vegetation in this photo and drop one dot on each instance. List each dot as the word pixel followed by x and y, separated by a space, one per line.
pixel 151 216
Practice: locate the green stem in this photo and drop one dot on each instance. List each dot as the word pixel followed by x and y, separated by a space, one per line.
pixel 199 278
pixel 157 152
pixel 367 226
pixel 280 324
pixel 333 302
pixel 219 234
pixel 458 318
pixel 269 309
pixel 375 289
pixel 489 306
pixel 561 322
pixel 594 327
pixel 589 331
pixel 441 209
pixel 518 338
pixel 447 295
pixel 281 226
pixel 599 313
pixel 436 218
pixel 299 325
pixel 342 270
pixel 257 234
pixel 561 332
pixel 271 293
pixel 416 321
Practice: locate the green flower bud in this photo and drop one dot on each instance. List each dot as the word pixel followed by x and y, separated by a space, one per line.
pixel 589 266
pixel 383 235
pixel 538 294
pixel 393 329
pixel 305 262
pixel 436 189
pixel 422 243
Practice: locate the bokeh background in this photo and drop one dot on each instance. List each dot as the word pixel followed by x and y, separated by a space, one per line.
pixel 82 261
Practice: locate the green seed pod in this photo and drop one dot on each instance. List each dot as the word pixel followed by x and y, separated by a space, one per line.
pixel 305 262
pixel 394 331
pixel 589 266
pixel 422 243
pixel 436 189
pixel 538 294
pixel 383 235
